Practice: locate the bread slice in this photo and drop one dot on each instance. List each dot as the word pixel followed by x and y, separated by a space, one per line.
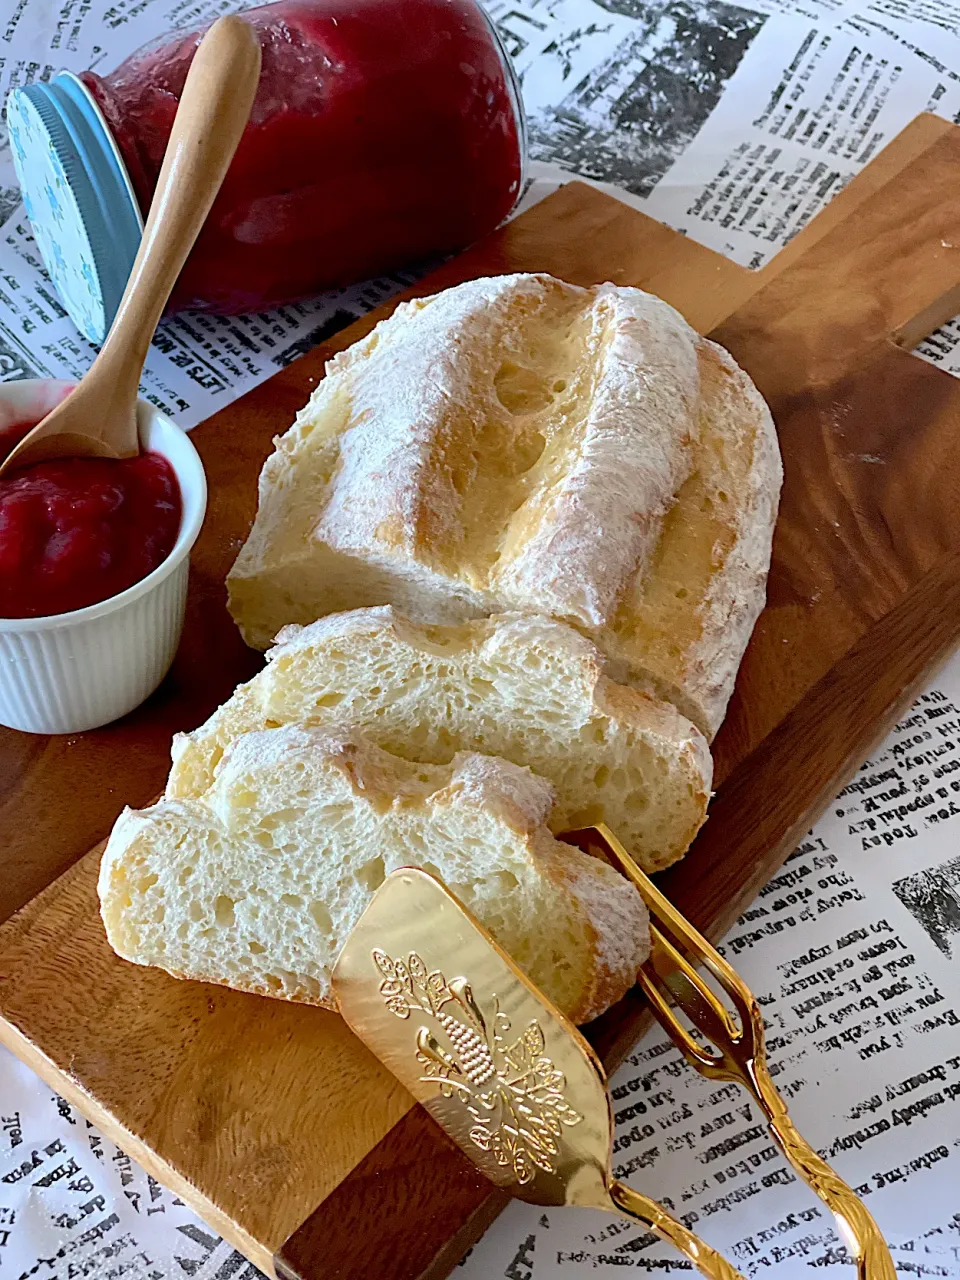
pixel 529 689
pixel 517 443
pixel 258 884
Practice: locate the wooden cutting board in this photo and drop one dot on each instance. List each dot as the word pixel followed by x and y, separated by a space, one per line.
pixel 270 1119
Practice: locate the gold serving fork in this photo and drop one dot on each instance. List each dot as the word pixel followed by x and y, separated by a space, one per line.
pixel 731 1047
pixel 507 1076
pixel 514 1083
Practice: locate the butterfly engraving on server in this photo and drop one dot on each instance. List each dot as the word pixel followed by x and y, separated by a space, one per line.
pixel 511 1089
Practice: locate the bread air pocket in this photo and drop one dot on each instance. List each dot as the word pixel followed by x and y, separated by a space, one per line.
pixel 257 884
pixel 529 689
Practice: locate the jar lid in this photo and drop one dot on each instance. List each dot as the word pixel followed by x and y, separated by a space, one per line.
pixel 78 197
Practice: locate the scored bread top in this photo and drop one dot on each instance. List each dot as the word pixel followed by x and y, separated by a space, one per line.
pixel 258 884
pixel 530 689
pixel 518 443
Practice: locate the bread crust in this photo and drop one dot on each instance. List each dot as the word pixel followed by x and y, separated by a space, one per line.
pixel 699 678
pixel 517 443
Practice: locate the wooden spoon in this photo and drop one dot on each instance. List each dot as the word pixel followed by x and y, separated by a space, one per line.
pixel 99 417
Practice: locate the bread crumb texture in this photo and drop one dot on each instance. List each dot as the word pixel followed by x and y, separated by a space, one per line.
pixel 514 547
pixel 531 690
pixel 258 883
pixel 520 444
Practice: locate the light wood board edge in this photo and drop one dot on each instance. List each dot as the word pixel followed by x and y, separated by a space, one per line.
pixel 922 133
pixel 107 1123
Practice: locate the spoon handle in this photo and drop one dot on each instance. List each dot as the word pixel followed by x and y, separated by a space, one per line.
pixel 213 111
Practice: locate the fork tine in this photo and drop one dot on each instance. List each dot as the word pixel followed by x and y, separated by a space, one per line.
pixel 696 946
pixel 698 1057
pixel 691 993
pixel 685 937
pixel 668 976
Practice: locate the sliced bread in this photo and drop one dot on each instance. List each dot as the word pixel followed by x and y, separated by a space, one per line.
pixel 257 884
pixel 529 689
pixel 517 443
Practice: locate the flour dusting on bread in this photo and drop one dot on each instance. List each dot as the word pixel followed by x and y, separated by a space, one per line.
pixel 518 443
pixel 508 558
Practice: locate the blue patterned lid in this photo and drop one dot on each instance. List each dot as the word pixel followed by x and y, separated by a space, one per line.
pixel 78 197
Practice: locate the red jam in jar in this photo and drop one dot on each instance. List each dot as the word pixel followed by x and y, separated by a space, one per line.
pixel 383 132
pixel 75 531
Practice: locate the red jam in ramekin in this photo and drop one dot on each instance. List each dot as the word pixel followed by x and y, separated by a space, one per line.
pixel 75 531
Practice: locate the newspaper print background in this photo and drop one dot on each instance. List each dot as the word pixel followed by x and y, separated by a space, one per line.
pixel 734 123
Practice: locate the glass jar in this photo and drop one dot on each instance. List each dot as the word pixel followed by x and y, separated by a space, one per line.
pixel 383 132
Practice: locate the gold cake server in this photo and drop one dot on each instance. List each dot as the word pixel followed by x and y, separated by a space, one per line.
pixel 730 1043
pixel 516 1085
pixel 507 1076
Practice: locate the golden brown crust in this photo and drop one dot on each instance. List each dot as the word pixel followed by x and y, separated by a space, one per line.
pixel 517 443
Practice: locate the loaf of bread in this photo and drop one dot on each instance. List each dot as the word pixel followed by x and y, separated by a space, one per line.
pixel 529 689
pixel 258 884
pixel 518 443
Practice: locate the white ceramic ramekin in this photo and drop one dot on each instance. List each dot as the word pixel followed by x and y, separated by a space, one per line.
pixel 74 671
